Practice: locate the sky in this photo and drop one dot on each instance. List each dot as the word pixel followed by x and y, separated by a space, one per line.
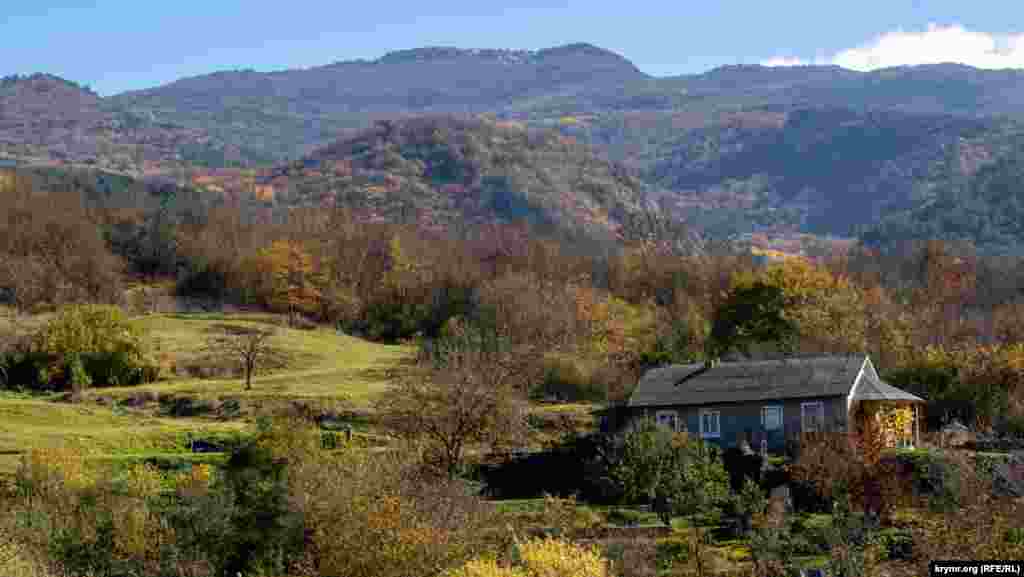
pixel 119 45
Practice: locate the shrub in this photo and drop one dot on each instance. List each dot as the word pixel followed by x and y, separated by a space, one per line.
pixel 625 517
pixel 485 567
pixel 184 406
pixel 741 467
pixel 932 477
pixel 896 544
pixel 674 474
pixel 1013 426
pixel 671 553
pixel 558 558
pixel 91 344
pixel 568 379
pixel 26 370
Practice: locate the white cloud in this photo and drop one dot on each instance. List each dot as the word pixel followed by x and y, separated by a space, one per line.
pixel 936 45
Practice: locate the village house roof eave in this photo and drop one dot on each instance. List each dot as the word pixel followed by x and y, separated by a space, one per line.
pixel 697 384
pixel 809 395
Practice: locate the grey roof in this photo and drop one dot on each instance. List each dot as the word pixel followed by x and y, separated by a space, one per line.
pixel 731 382
pixel 872 388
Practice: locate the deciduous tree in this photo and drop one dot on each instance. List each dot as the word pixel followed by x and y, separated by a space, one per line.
pixel 252 347
pixel 473 397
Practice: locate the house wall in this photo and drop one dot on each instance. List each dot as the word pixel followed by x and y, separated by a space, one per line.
pixel 739 421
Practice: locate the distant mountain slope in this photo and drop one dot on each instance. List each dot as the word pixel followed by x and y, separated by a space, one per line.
pixel 840 168
pixel 451 171
pixel 736 149
pixel 283 112
pixel 47 118
pixel 983 204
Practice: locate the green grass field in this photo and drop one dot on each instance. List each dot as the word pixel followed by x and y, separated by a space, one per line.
pixel 324 366
pixel 27 424
pixel 326 370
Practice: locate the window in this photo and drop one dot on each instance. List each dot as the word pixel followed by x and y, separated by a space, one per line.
pixel 812 416
pixel 667 419
pixel 709 424
pixel 771 418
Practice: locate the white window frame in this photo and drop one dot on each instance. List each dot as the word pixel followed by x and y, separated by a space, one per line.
pixel 674 416
pixel 820 406
pixel 717 433
pixel 764 419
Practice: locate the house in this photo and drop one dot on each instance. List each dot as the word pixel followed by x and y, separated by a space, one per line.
pixel 766 402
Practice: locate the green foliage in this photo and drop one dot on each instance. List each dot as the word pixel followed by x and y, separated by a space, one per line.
pixel 751 501
pixel 672 553
pixel 571 380
pixel 677 476
pixel 751 314
pixel 895 543
pixel 625 517
pixel 265 533
pixel 82 346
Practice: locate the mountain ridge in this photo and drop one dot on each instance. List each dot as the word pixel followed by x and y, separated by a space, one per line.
pixel 736 148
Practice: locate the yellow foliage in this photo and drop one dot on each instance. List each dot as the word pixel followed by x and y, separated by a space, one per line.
pixel 559 558
pixel 485 567
pixel 896 424
pixel 545 557
pixel 294 283
pixel 144 481
pixel 49 469
pixel 612 325
pixel 828 310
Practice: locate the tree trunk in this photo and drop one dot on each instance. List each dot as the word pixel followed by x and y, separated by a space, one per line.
pixel 248 375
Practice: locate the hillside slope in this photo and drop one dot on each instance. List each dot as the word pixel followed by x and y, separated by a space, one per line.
pixel 736 149
pixel 44 118
pixel 446 171
pixel 288 111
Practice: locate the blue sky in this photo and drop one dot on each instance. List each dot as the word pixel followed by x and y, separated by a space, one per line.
pixel 117 45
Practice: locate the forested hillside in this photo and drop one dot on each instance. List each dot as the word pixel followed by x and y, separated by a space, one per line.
pixel 464 173
pixel 736 150
pixel 44 118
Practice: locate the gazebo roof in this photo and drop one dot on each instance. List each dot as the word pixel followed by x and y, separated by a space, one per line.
pixel 871 388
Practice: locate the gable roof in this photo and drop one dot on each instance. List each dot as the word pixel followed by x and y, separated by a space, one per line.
pixel 737 382
pixel 872 388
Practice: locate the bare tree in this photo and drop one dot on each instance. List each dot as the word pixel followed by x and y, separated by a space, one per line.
pixel 252 347
pixel 471 399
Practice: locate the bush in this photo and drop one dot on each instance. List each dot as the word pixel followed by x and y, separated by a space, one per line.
pixel 1005 472
pixel 568 379
pixel 184 406
pixel 625 517
pixel 896 544
pixel 86 345
pixel 741 467
pixel 671 553
pixel 1013 426
pixel 26 370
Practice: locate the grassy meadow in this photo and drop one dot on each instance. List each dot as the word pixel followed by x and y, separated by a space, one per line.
pixel 324 368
